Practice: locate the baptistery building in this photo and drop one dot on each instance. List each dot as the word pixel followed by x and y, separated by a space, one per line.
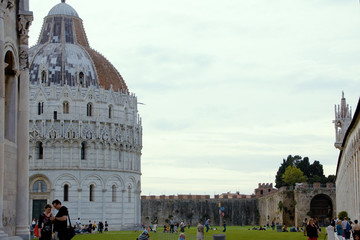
pixel 85 132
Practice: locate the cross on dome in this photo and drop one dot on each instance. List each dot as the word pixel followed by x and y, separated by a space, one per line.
pixel 63 1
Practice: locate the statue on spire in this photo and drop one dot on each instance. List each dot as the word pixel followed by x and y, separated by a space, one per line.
pixel 343 118
pixel 63 1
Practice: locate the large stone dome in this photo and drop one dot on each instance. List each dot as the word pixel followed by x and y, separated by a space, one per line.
pixel 63 55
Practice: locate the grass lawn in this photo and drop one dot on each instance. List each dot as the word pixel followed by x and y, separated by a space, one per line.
pixel 232 233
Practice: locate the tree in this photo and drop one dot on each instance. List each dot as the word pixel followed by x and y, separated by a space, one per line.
pixel 314 172
pixel 316 169
pixel 331 178
pixel 293 175
pixel 304 166
pixel 290 161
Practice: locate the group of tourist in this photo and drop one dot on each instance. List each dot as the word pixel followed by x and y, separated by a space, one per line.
pixel 91 227
pixel 199 233
pixel 342 228
pixel 56 227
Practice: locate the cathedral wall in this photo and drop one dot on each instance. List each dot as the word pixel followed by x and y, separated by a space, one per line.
pixel 348 177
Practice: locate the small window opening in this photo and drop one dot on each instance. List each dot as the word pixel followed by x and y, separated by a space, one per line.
pixel 83 145
pixel 66 193
pixel 43 77
pixel 55 115
pixel 89 110
pixel 40 108
pixel 81 78
pixel 113 193
pixel 65 107
pixel 91 192
pixel 41 150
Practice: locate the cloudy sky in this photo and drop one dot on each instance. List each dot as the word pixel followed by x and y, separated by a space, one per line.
pixel 231 87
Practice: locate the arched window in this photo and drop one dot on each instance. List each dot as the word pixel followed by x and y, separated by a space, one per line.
pixel 65 107
pixel 113 196
pixel 110 111
pixel 83 147
pixel 40 150
pixel 129 193
pixel 10 97
pixel 89 110
pixel 66 193
pixel 40 108
pixel 43 77
pixel 81 79
pixel 91 193
pixel 39 186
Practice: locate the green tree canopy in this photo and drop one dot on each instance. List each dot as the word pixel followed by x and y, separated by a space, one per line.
pixel 293 175
pixel 313 172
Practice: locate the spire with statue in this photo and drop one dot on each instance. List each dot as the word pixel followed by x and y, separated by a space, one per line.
pixel 342 121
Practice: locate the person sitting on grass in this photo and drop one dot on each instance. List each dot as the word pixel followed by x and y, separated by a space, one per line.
pixel 285 229
pixel 144 235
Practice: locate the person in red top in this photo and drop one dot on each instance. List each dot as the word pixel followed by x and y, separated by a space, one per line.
pixel 312 230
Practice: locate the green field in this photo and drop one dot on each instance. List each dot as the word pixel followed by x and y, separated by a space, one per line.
pixel 232 233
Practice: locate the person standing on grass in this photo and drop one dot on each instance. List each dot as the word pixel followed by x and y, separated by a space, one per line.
pixel 106 226
pixel 172 225
pixel 312 230
pixel 200 231
pixel 330 231
pixel 207 225
pixel 305 222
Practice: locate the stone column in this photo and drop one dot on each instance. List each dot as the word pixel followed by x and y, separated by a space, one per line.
pixel 22 207
pixel 2 114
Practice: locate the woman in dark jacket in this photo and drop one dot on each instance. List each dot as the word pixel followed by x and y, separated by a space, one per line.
pixel 45 224
pixel 312 230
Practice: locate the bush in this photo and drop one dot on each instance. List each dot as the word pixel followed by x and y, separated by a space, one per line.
pixel 342 215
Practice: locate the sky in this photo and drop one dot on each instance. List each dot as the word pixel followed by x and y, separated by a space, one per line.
pixel 230 88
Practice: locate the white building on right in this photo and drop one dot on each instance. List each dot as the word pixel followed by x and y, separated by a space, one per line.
pixel 347 131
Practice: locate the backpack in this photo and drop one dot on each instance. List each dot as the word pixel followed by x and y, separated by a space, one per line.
pixel 348 227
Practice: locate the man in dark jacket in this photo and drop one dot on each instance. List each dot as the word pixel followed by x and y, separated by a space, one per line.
pixel 60 220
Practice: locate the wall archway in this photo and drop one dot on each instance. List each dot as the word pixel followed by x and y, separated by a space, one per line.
pixel 321 207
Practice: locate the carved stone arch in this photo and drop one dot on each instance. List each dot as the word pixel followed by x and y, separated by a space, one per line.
pixel 87 132
pixel 120 183
pixel 105 133
pixel 90 95
pixel 68 175
pixel 36 177
pixel 132 180
pixel 98 177
pixel 40 95
pixel 66 183
pixel 10 45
